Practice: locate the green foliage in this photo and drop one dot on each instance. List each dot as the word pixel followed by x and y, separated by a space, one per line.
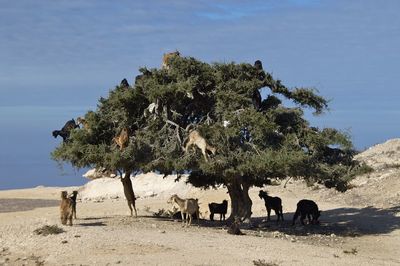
pixel 94 147
pixel 255 145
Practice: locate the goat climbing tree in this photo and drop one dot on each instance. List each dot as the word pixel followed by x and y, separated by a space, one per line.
pixel 256 140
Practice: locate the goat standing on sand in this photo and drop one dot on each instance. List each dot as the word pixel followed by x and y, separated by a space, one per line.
pixel 309 209
pixel 234 228
pixel 274 203
pixel 73 198
pixel 66 208
pixel 188 207
pixel 220 208
pixel 129 194
pixel 196 139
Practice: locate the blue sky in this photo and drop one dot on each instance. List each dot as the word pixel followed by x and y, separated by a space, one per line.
pixel 58 57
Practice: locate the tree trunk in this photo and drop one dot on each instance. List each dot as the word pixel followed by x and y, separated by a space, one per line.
pixel 240 201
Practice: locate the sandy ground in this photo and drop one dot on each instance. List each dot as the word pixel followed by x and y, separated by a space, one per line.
pixel 358 227
pixel 104 234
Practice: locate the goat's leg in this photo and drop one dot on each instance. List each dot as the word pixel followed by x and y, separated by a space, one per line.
pixel 188 144
pixel 198 217
pixel 189 219
pixel 63 219
pixel 204 154
pixel 70 219
pixel 303 216
pixel 269 213
pixel 309 218
pixel 281 211
pixel 74 210
pixel 134 207
pixel 130 207
pixel 183 218
pixel 296 214
pixel 277 214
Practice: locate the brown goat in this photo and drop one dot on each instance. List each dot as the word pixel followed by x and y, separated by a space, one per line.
pixel 82 121
pixel 234 228
pixel 122 139
pixel 167 57
pixel 129 194
pixel 196 139
pixel 66 208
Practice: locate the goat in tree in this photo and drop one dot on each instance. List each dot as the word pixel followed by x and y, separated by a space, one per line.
pixel 122 139
pixel 196 139
pixel 66 130
pixel 124 83
pixel 82 121
pixel 167 57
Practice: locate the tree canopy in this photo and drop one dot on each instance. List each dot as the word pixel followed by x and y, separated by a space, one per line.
pixel 256 139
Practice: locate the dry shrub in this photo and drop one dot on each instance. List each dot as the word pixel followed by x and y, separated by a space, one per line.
pixel 264 263
pixel 353 251
pixel 49 230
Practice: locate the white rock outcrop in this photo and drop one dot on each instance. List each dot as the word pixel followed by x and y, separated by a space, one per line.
pixel 144 185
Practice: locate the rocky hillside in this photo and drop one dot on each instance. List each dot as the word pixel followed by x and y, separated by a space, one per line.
pixel 380 188
pixel 382 156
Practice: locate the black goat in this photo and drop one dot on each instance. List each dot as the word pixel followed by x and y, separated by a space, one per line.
pixel 274 203
pixel 124 83
pixel 220 208
pixel 307 208
pixel 73 199
pixel 66 130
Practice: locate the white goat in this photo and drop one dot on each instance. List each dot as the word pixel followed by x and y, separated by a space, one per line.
pixel 188 206
pixel 196 139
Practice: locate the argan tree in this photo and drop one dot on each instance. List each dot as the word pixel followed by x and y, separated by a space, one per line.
pixel 256 140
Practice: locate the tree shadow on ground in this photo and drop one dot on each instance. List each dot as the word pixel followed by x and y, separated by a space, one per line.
pixel 92 224
pixel 342 222
pixel 202 222
pixel 92 218
pixel 17 205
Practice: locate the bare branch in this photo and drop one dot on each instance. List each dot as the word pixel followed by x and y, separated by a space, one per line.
pixel 254 147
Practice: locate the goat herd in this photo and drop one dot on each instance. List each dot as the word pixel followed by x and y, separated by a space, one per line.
pixel 189 208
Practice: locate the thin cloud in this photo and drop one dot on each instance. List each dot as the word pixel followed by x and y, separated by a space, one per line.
pixel 238 10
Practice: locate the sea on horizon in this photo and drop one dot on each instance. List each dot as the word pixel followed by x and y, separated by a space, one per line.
pixel 26 143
